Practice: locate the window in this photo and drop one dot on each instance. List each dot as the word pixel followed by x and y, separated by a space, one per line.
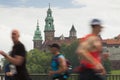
pixel 49 24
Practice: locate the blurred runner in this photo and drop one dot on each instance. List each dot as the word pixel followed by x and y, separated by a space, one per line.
pixel 58 64
pixel 90 49
pixel 17 58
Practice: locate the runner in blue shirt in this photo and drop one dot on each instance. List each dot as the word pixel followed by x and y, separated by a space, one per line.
pixel 58 64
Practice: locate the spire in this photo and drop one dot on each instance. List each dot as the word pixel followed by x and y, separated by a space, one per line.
pixel 49 12
pixel 73 32
pixel 37 34
pixel 49 5
pixel 49 26
pixel 62 37
pixel 37 22
pixel 73 28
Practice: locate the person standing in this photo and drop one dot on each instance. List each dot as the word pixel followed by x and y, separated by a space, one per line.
pixel 58 64
pixel 90 49
pixel 17 58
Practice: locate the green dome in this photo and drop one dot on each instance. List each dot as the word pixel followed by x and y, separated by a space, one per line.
pixel 37 34
pixel 37 31
pixel 49 18
pixel 49 10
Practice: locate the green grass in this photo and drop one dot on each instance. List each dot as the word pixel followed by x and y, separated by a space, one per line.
pixel 115 72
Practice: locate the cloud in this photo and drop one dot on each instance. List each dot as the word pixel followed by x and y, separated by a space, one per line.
pixel 23 0
pixel 36 3
pixel 106 10
pixel 98 3
pixel 25 19
pixel 6 42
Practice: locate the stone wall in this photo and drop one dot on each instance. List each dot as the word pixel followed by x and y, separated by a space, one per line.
pixel 115 64
pixel 114 57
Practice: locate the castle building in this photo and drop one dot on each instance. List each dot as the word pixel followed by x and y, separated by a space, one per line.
pixel 112 45
pixel 49 34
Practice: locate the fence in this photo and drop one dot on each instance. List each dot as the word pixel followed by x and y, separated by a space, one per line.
pixel 72 77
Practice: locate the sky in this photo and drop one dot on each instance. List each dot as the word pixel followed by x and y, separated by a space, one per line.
pixel 23 15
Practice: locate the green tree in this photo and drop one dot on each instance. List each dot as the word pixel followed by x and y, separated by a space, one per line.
pixel 38 61
pixel 5 62
pixel 69 52
pixel 107 65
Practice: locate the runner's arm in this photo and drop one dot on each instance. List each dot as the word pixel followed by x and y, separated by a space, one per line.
pixel 17 60
pixel 86 55
pixel 85 47
pixel 63 66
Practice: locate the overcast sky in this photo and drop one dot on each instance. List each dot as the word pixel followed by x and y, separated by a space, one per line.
pixel 23 15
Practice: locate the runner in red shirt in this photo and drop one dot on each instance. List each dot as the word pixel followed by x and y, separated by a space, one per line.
pixel 90 50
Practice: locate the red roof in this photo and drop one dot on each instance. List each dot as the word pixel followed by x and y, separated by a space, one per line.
pixel 112 41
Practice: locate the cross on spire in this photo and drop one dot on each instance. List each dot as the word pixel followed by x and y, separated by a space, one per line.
pixel 49 5
pixel 37 22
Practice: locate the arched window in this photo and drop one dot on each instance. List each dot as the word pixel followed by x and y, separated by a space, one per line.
pixel 49 24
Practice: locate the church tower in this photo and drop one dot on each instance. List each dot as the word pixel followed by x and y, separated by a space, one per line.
pixel 49 26
pixel 37 39
pixel 73 32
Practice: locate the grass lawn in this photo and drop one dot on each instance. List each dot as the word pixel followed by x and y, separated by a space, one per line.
pixel 115 72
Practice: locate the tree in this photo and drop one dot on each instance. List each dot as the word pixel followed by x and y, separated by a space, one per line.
pixel 5 62
pixel 107 65
pixel 69 52
pixel 38 61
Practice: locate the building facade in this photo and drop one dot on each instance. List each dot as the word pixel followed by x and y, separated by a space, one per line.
pixel 113 46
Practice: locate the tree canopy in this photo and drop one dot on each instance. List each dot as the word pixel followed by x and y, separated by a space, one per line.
pixel 70 53
pixel 38 61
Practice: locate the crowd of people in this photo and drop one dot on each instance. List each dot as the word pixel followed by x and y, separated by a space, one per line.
pixel 89 49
